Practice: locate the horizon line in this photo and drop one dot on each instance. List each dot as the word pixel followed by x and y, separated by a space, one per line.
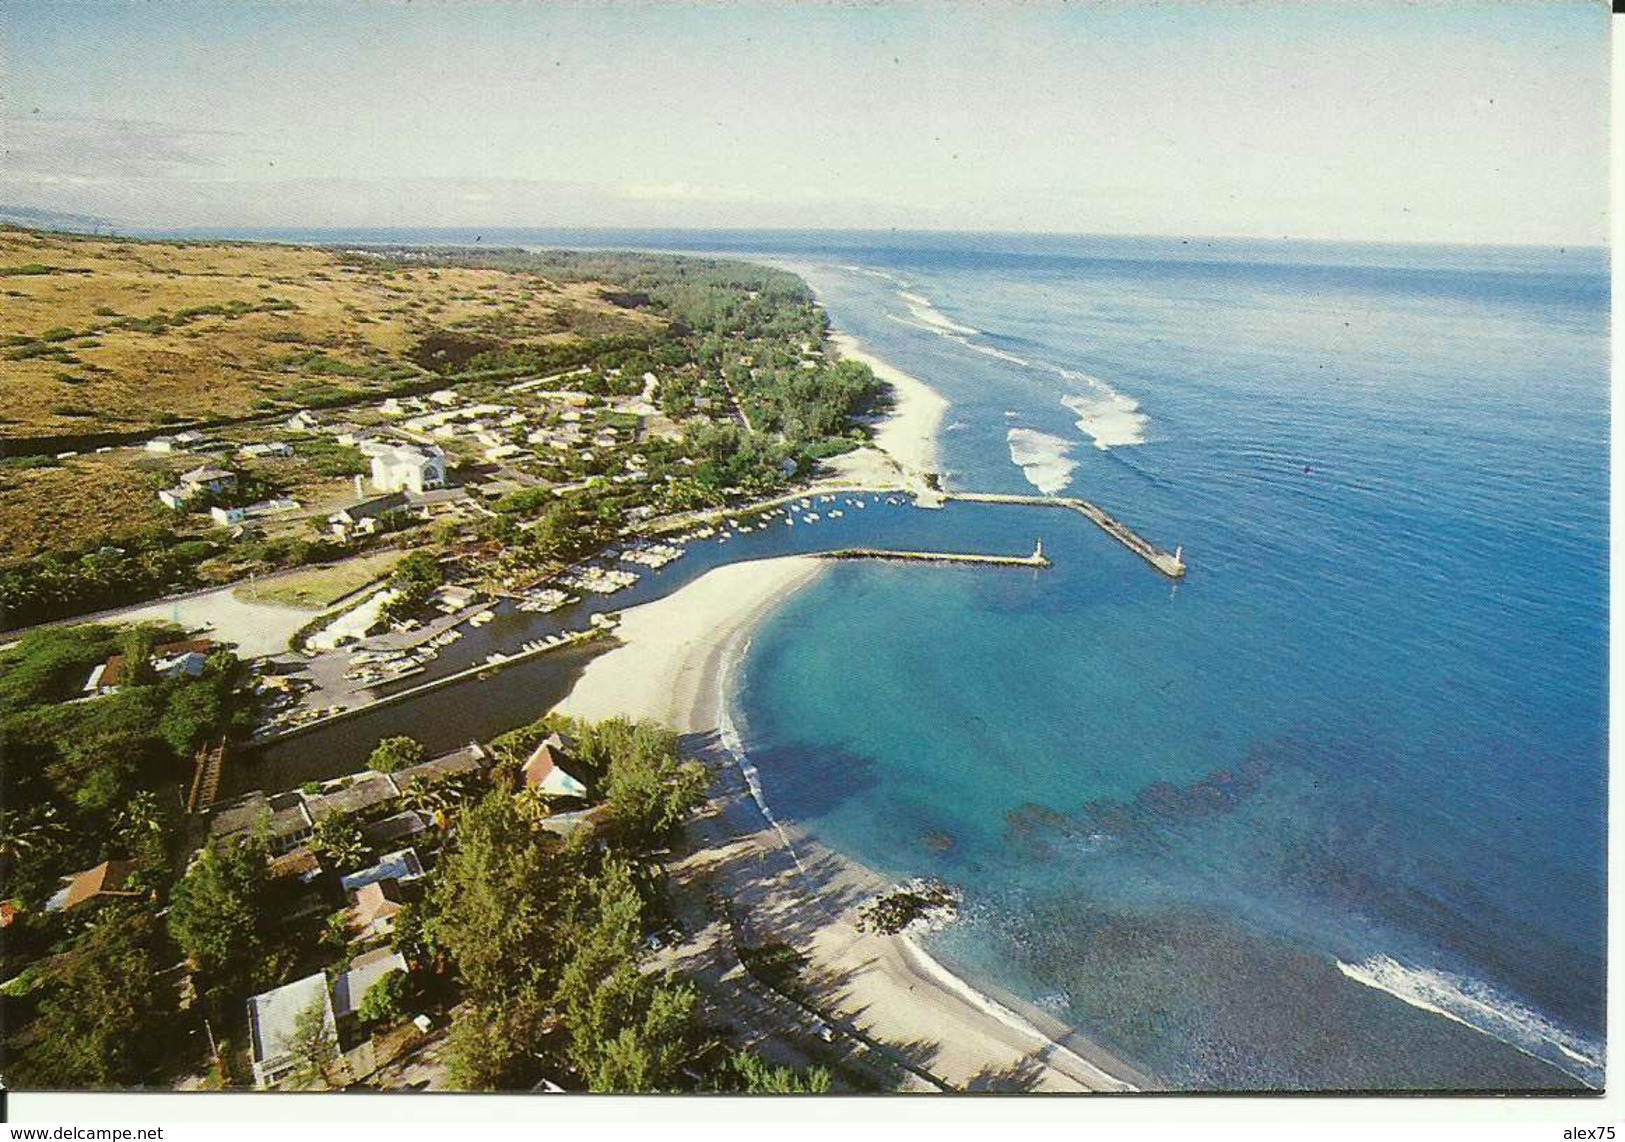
pixel 229 232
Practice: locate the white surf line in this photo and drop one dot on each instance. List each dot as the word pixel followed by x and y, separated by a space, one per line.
pixel 1371 977
pixel 929 966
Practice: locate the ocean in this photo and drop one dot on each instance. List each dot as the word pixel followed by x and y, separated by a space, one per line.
pixel 1330 813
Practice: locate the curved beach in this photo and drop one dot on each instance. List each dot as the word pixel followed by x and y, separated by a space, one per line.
pixel 674 665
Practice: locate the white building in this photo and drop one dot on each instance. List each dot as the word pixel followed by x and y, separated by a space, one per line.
pixel 273 1019
pixel 403 468
pixel 270 448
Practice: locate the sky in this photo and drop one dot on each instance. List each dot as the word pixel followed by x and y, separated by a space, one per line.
pixel 1463 122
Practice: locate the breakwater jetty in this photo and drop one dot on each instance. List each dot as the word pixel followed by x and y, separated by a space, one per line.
pixel 1171 564
pixel 1036 559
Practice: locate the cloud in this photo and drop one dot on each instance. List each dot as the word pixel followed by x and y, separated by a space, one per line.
pixel 53 150
pixel 688 192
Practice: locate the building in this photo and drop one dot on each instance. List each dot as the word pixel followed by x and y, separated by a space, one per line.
pixel 402 866
pixel 207 479
pixel 228 517
pixel 376 906
pixel 304 421
pixel 271 448
pixel 366 516
pixel 544 770
pixel 107 879
pixel 405 468
pixel 169 660
pixel 273 1022
pixel 301 862
pixel 395 829
pixel 364 791
pixel 351 988
pixel 284 818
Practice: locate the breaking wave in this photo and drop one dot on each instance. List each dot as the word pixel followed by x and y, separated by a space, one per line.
pixel 1479 1006
pixel 1108 417
pixel 933 318
pixel 1042 458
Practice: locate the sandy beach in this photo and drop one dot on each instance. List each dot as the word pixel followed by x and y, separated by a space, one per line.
pixel 883 993
pixel 673 648
pixel 908 433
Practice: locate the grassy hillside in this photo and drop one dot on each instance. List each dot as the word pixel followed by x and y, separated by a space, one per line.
pixel 110 335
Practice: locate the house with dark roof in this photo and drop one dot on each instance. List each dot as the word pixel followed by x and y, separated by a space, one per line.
pixel 471 759
pixel 356 794
pixel 394 829
pixel 169 660
pixel 284 818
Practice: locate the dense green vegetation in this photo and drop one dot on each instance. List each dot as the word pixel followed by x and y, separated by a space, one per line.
pixel 547 937
pixel 107 574
pixel 129 568
pixel 94 780
pixel 395 753
pixel 86 781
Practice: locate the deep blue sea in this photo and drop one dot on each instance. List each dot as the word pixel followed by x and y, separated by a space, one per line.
pixel 1329 813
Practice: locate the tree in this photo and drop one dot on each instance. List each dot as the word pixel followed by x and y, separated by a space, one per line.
pixel 628 1033
pixel 218 914
pixel 395 753
pixel 195 713
pixel 497 901
pixel 142 829
pixel 337 839
pixel 647 1055
pixel 102 1013
pixel 495 1047
pixel 387 999
pixel 649 790
pixel 756 1075
pixel 314 1047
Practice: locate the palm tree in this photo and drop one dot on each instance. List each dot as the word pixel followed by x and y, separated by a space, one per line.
pixel 337 839
pixel 33 831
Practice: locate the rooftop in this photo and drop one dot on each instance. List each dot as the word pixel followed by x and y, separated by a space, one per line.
pixel 273 1015
pixel 365 970
pixel 106 879
pixel 400 865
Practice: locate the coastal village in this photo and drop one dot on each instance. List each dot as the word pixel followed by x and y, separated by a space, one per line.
pixel 365 929
pixel 285 937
